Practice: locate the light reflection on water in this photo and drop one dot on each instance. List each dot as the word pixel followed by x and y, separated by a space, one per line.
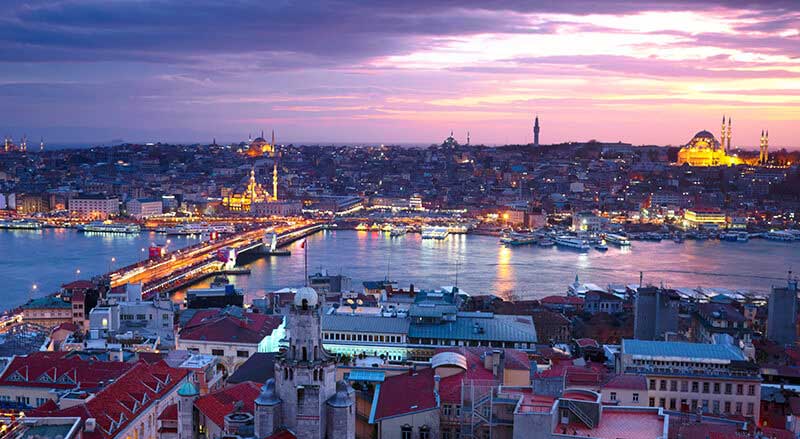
pixel 50 257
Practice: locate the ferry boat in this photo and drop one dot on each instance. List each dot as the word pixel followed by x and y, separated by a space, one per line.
pixel 546 242
pixel 187 229
pixel 222 228
pixel 601 247
pixel 457 228
pixel 572 242
pixel 362 227
pixel 742 237
pixel 434 232
pixel 779 235
pixel 398 230
pixel 21 224
pixel 374 226
pixel 618 240
pixel 109 227
pixel 518 238
pixel 387 227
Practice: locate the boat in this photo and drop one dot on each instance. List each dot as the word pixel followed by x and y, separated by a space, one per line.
pixel 572 242
pixel 387 227
pixel 434 232
pixel 518 238
pixel 109 227
pixel 457 228
pixel 742 237
pixel 399 230
pixel 779 235
pixel 601 247
pixel 618 240
pixel 678 238
pixel 21 224
pixel 222 228
pixel 374 226
pixel 546 242
pixel 187 229
pixel 362 227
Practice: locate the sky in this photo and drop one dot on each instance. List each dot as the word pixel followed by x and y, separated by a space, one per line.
pixel 645 72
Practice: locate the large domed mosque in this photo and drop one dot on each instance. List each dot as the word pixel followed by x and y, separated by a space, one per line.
pixel 705 150
pixel 259 146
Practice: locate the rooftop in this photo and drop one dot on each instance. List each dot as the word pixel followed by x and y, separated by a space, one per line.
pixel 347 322
pixel 47 302
pixel 215 406
pixel 227 327
pixel 507 328
pixel 403 394
pixel 619 424
pixel 681 351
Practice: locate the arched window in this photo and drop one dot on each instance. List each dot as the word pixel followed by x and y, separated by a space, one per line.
pixel 304 304
pixel 286 374
pixel 406 432
pixel 305 354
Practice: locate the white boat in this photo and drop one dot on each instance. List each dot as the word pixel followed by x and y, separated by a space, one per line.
pixel 21 224
pixel 546 242
pixel 572 242
pixel 779 235
pixel 457 228
pixel 398 230
pixel 222 228
pixel 742 237
pixel 109 227
pixel 434 232
pixel 187 229
pixel 618 240
pixel 518 238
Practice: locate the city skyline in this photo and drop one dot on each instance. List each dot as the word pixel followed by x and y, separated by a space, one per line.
pixel 643 72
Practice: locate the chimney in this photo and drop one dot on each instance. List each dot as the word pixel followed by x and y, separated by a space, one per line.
pixel 497 355
pixel 436 379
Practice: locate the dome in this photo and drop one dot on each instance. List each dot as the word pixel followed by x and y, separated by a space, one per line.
pixel 306 294
pixel 703 134
pixel 259 140
pixel 342 396
pixel 703 140
pixel 188 389
pixel 268 395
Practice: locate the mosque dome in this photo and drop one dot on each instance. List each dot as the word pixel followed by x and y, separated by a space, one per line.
pixel 188 389
pixel 308 295
pixel 703 140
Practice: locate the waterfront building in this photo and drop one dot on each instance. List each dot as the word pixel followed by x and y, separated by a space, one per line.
pixel 782 314
pixel 720 323
pixel 703 218
pixel 94 206
pixel 655 313
pixel 48 311
pixel 713 378
pixel 242 200
pixel 600 301
pixel 372 335
pixel 705 150
pixel 232 334
pixel 30 381
pixel 276 208
pixel 134 320
pixel 587 222
pixel 140 208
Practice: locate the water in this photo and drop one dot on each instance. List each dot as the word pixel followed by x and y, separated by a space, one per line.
pixel 50 258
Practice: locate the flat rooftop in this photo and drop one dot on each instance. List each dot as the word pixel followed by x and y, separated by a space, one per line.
pixel 681 351
pixel 619 424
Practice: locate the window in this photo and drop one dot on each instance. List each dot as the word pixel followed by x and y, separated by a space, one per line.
pixel 684 386
pixel 727 407
pixel 218 352
pixel 716 406
pixel 716 387
pixel 662 402
pixel 751 389
pixel 406 432
pixel 673 386
pixel 728 388
pixel 672 403
pixel 635 397
pixel 613 396
pixel 749 409
pixel 738 408
pixel 705 406
pixel 695 387
pixel 652 384
pixel 40 401
pixel 662 385
pixel 706 387
pixel 739 389
pixel 424 432
pixel 652 402
pixel 458 410
pixel 243 354
pixel 447 409
pixel 694 405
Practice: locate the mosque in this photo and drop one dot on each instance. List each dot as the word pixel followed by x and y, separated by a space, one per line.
pixel 243 199
pixel 705 150
pixel 259 146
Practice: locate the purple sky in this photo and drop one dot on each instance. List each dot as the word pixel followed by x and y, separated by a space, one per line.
pixel 652 72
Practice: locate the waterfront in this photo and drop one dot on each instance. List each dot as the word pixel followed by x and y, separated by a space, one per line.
pixel 50 257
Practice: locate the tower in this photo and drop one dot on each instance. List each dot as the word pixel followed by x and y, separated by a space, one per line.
pixel 41 145
pixel 187 394
pixel 782 313
pixel 267 410
pixel 722 133
pixel 763 155
pixel 766 147
pixel 536 131
pixel 467 137
pixel 305 374
pixel 728 139
pixel 274 169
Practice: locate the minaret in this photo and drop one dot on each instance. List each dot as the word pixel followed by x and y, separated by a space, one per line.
pixel 275 180
pixel 728 141
pixel 536 131
pixel 766 147
pixel 722 134
pixel 41 145
pixel 467 137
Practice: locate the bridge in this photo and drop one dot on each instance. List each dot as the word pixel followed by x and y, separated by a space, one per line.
pixel 184 266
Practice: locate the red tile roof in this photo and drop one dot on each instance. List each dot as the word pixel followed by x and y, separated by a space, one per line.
pixel 129 396
pixel 59 370
pixel 450 387
pixel 221 326
pixel 587 343
pixel 78 285
pixel 215 406
pixel 283 434
pixel 562 300
pixel 407 393
pixel 170 413
pixel 627 382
